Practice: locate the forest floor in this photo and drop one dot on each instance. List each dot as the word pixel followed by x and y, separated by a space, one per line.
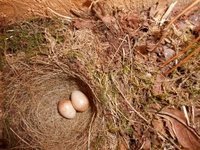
pixel 144 67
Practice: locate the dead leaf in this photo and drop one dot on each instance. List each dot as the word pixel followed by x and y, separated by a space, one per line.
pixel 142 49
pixel 158 10
pixel 167 13
pixel 87 3
pixel 159 125
pixel 168 52
pixel 110 22
pixel 146 145
pixel 197 30
pixel 157 87
pixel 83 24
pixel 122 145
pixel 186 136
pixel 169 127
pixel 129 22
pixel 132 20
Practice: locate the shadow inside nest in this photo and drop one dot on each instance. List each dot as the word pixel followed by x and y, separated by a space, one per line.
pixel 31 118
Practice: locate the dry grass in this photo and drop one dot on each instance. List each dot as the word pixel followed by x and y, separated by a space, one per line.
pixel 31 117
pixel 120 76
pixel 15 10
pixel 34 85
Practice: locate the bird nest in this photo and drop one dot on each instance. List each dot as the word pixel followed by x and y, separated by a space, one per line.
pixel 31 117
pixel 119 60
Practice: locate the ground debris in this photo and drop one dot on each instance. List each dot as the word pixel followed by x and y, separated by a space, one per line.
pixel 177 125
pixel 117 54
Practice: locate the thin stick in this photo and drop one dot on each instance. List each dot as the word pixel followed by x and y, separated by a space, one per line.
pixel 183 122
pixel 186 115
pixel 59 15
pixel 122 94
pixel 173 20
pixel 117 50
pixel 167 138
pixel 182 13
pixel 193 116
pixel 180 53
pixel 166 15
pixel 182 62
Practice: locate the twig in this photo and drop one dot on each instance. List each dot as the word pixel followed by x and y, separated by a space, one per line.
pixel 164 114
pixel 117 50
pixel 169 10
pixel 186 115
pixel 193 116
pixel 180 53
pixel 94 2
pixel 170 140
pixel 182 13
pixel 182 62
pixel 62 16
pixel 122 94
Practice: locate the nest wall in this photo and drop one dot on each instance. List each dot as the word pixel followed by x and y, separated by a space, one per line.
pixel 31 117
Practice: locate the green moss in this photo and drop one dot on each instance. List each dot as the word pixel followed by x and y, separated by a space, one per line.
pixel 112 128
pixel 30 37
pixel 21 37
pixel 72 55
pixel 99 142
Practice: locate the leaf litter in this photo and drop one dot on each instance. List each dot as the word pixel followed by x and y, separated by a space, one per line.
pixel 126 67
pixel 177 124
pixel 144 32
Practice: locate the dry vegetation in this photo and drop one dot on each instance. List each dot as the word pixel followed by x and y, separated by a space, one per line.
pixel 15 10
pixel 141 100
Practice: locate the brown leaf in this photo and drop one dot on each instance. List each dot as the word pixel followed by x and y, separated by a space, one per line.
pixel 87 3
pixel 122 144
pixel 83 24
pixel 168 52
pixel 142 49
pixel 197 30
pixel 185 135
pixel 110 22
pixel 157 87
pixel 159 125
pixel 147 144
pixel 158 10
pixel 131 20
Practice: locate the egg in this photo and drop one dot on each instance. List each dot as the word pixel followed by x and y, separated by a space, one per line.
pixel 79 101
pixel 66 109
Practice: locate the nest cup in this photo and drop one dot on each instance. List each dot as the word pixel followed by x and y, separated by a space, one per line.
pixel 31 116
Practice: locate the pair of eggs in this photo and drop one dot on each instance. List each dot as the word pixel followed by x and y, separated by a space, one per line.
pixel 79 102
